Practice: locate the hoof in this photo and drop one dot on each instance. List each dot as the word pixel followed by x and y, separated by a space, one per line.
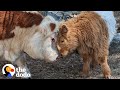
pixel 83 75
pixel 108 77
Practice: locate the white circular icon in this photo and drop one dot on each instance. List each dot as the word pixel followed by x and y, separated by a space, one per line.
pixel 8 70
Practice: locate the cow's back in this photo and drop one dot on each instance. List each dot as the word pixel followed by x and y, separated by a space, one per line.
pixel 10 19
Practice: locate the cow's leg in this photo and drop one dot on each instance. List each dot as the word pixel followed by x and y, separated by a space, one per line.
pixel 86 64
pixel 104 66
pixel 94 61
pixel 16 58
pixel 20 62
pixel 10 55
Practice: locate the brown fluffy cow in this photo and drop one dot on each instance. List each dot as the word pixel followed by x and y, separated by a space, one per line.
pixel 87 33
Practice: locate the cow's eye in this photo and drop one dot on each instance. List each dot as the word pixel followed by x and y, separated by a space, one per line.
pixel 53 40
pixel 62 41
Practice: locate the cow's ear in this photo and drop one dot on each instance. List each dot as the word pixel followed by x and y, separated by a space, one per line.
pixel 52 26
pixel 64 29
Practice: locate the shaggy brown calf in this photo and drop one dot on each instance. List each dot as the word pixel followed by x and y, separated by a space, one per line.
pixel 87 33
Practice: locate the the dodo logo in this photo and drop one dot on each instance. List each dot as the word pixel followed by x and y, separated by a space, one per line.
pixel 8 70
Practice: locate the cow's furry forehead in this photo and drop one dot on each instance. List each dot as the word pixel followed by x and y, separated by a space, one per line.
pixel 47 21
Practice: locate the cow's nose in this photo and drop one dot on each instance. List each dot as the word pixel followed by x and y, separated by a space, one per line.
pixel 59 57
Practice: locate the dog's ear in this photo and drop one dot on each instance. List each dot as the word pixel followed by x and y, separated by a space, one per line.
pixel 52 26
pixel 64 29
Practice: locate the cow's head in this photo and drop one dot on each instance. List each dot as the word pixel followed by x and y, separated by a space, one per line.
pixel 67 39
pixel 49 28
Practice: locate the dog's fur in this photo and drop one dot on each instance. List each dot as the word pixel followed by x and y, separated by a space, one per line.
pixel 87 33
pixel 27 32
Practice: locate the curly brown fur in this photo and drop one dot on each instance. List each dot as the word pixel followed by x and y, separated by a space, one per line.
pixel 87 33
